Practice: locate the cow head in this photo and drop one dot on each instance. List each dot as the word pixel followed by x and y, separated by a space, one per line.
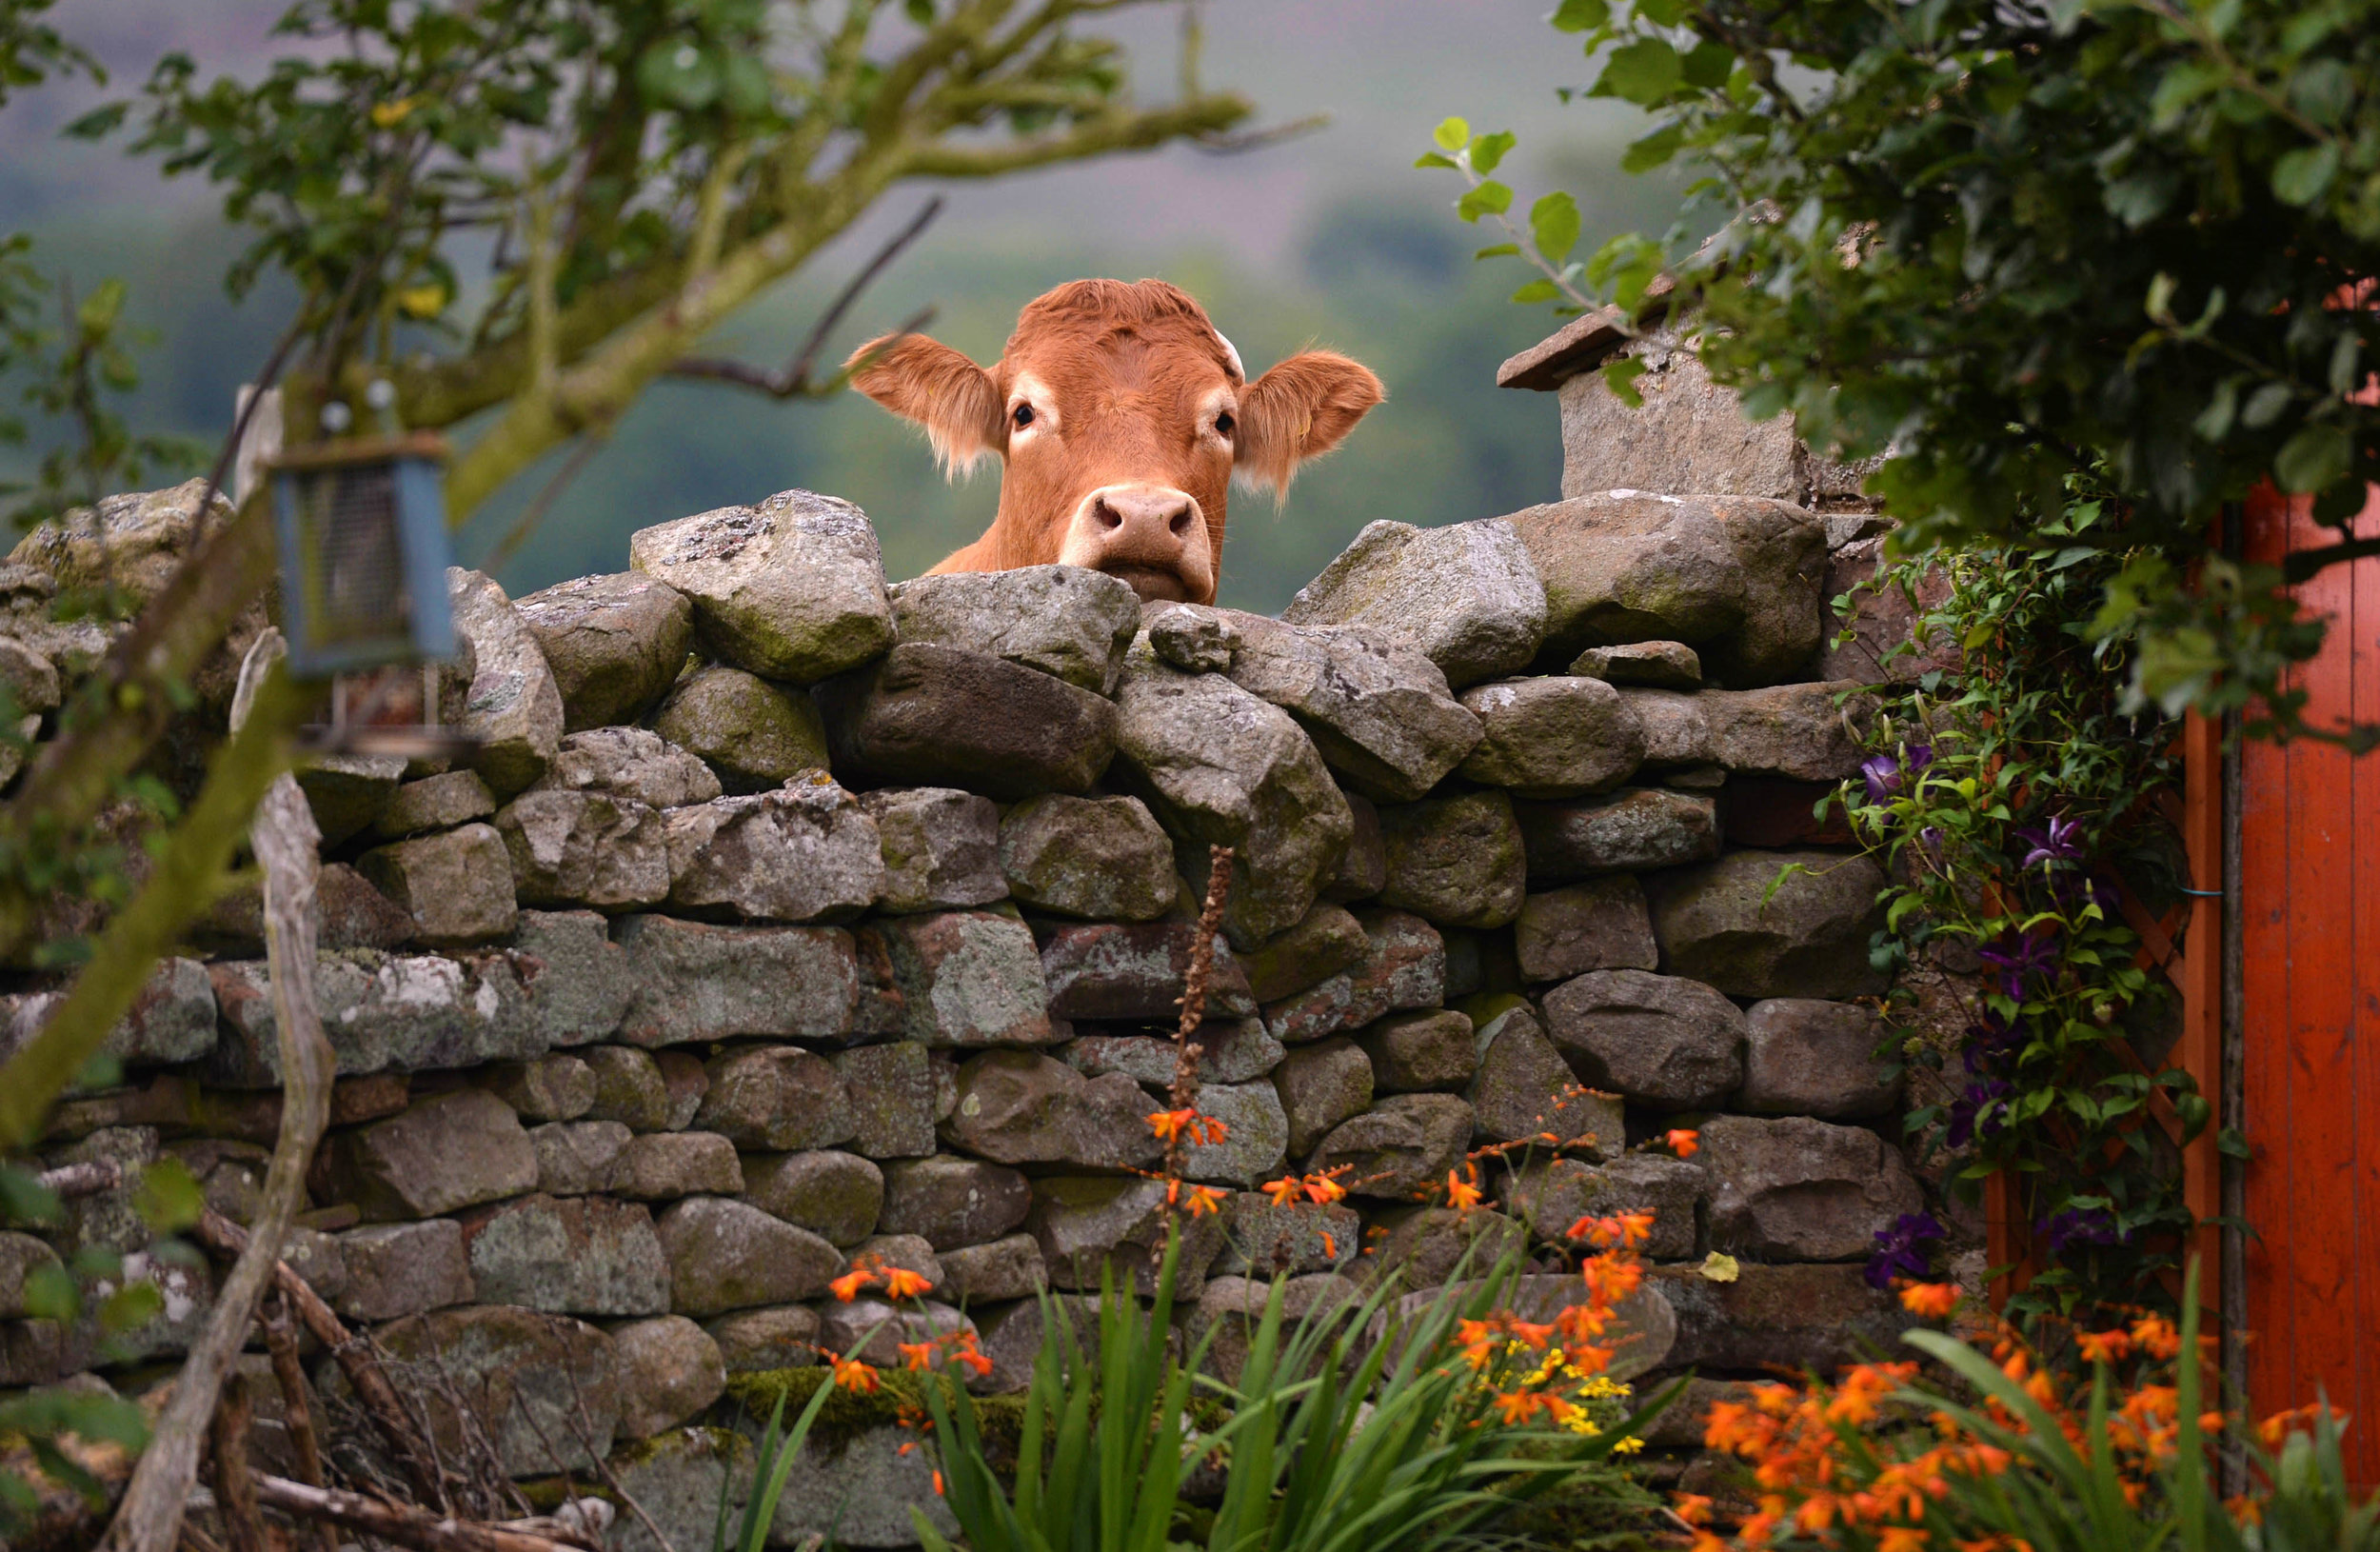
pixel 1120 416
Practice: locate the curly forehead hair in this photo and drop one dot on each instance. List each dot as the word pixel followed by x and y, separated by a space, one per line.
pixel 1118 308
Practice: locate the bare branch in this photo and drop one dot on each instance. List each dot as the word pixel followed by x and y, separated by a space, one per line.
pixel 1120 130
pixel 409 1526
pixel 297 1404
pixel 1248 140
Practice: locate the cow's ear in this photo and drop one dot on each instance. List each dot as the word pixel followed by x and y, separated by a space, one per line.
pixel 927 381
pixel 1301 409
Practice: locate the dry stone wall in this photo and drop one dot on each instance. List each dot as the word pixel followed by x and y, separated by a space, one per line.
pixel 786 918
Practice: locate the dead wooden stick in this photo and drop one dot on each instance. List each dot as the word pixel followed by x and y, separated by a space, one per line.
pixel 88 1177
pixel 235 1494
pixel 1187 1051
pixel 408 1526
pixel 297 1407
pixel 284 839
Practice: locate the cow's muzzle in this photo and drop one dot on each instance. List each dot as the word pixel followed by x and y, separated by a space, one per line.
pixel 1151 536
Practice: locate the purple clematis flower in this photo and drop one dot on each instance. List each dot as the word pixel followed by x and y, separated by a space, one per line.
pixel 1977 1111
pixel 2060 842
pixel 1896 1252
pixel 1886 775
pixel 2017 957
pixel 2078 1226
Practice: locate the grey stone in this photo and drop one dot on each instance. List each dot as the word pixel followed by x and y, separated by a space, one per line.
pixel 753 735
pixel 953 1202
pixel 1264 1238
pixel 1524 1091
pixel 514 709
pixel 892 1099
pixel 1601 924
pixel 1736 577
pixel 1465 596
pixel 728 1255
pixel 1771 1318
pixel 628 1088
pixel 695 981
pixel 861 1494
pixel 447 1151
pixel 574 1158
pixel 1402 1144
pixel 1664 1041
pixel 792 588
pixel 633 765
pixel 1133 970
pixel 1798 1189
pixel 1327 940
pixel 1812 1058
pixel 434 803
pixel 936 716
pixel 1220 767
pixel 1321 1085
pixel 1065 621
pixel 902 1252
pixel 1404 968
pixel 755 1340
pixel 21 1257
pixel 662 1167
pixel 804 852
pixel 1012 1336
pixel 1635 829
pixel 835 1196
pixel 1192 637
pixel 687 1082
pixel 1454 862
pixel 1686 433
pixel 1255 1137
pixel 399 1269
pixel 670 1370
pixel 1364 868
pixel 543 1384
pixel 30 678
pixel 615 643
pixel 129 545
pixel 940 847
pixel 549 1089
pixel 1875 641
pixel 968 978
pixel 1553 737
pixel 1416 1051
pixel 1550 1195
pixel 171 1019
pixel 1231 1310
pixel 873 1330
pixel 1677 728
pixel 457 885
pixel 1008 1268
pixel 679 1479
pixel 1380 713
pixel 584 848
pixel 1231 1051
pixel 1091 1226
pixel 578 1255
pixel 347 793
pixel 1793 730
pixel 578 981
pixel 1018 1108
pixel 1100 859
pixel 780 1098
pixel 1651 664
pixel 1426 1247
pixel 352 915
pixel 1720 924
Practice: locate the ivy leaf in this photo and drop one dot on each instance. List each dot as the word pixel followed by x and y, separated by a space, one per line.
pixel 2299 177
pixel 2315 458
pixel 1554 225
pixel 1452 135
pixel 1642 72
pixel 1578 16
pixel 1489 149
pixel 1490 198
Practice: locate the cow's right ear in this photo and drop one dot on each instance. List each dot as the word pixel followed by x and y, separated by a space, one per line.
pixel 927 381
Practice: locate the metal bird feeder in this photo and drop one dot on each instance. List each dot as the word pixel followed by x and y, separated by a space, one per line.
pixel 363 555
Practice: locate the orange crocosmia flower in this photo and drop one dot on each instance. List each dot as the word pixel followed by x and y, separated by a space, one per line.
pixel 916 1355
pixel 1167 1123
pixel 1682 1142
pixel 1208 1131
pixel 901 1283
pixel 937 1485
pixel 1460 1194
pixel 1518 1407
pixel 2155 1336
pixel 1931 1301
pixel 1635 1228
pixel 1693 1509
pixel 851 1374
pixel 1324 1190
pixel 1205 1200
pixel 1330 1245
pixel 2103 1346
pixel 1901 1539
pixel 1282 1191
pixel 848 1286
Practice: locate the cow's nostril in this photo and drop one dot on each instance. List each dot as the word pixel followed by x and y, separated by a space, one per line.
pixel 1179 521
pixel 1106 516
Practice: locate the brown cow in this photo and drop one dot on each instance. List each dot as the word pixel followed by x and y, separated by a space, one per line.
pixel 1120 416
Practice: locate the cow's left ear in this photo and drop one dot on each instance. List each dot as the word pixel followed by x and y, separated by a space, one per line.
pixel 1301 409
pixel 927 381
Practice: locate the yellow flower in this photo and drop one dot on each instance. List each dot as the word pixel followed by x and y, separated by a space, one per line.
pixel 387 115
pixel 422 301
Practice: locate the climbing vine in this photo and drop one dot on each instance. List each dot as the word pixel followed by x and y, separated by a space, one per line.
pixel 2011 792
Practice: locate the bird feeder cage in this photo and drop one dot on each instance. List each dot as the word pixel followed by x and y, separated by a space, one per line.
pixel 364 553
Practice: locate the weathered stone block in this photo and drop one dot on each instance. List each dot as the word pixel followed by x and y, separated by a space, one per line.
pixel 578 981
pixel 1790 1318
pixel 1091 1226
pixel 755 1340
pixel 695 981
pixel 399 1269
pixel 1602 925
pixel 835 1196
pixel 574 1158
pixel 1404 968
pixel 780 1098
pixel 1231 1310
pixel 953 1202
pixel 1364 868
pixel 1231 1051
pixel 1666 1043
pixel 968 978
pixel 1633 830
pixel 1067 622
pixel 1321 1085
pixel 728 1255
pixel 940 847
pixel 792 588
pixel 434 803
pixel 1720 924
pixel 580 1255
pixel 541 1383
pixel 514 709
pixel 1380 713
pixel 1650 665
pixel 935 716
pixel 803 852
pixel 752 734
pixel 629 1087
pixel 1192 637
pixel 1807 732
pixel 1327 940
pixel 1133 970
pixel 584 848
pixel 1465 596
pixel 662 1167
pixel 457 885
pixel 1524 1090
pixel 1267 1239
pixel 1416 1051
pixel 669 1370
pixel 631 764
pixel 1018 1108
pixel 1456 861
pixel 447 1151
pixel 1426 1247
pixel 1687 433
pixel 615 643
pixel 1008 1268
pixel 1255 1138
pixel 1100 859
pixel 1553 737
pixel 1798 1189
pixel 1811 1058
pixel 1552 1194
pixel 1404 1142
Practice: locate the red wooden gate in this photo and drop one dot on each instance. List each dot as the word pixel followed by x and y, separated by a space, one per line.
pixel 2309 820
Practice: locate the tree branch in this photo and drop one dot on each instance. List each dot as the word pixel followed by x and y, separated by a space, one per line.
pixel 409 1526
pixel 1121 129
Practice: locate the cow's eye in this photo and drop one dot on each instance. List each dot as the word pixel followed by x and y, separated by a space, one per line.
pixel 1224 424
pixel 1023 416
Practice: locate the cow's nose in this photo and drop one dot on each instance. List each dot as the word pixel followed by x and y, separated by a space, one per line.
pixel 1162 516
pixel 1153 536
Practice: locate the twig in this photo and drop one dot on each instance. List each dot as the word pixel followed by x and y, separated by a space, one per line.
pixel 236 1495
pixel 794 382
pixel 1243 141
pixel 1183 1095
pixel 297 1409
pixel 583 1427
pixel 88 1177
pixel 284 838
pixel 409 1526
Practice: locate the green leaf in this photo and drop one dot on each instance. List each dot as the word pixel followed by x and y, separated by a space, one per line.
pixel 1431 158
pixel 2300 176
pixel 50 1293
pixel 97 124
pixel 1554 225
pixel 1648 151
pixel 1490 198
pixel 1708 65
pixel 2318 456
pixel 1539 289
pixel 1620 377
pixel 1452 135
pixel 2265 405
pixel 170 1197
pixel 1578 16
pixel 2214 422
pixel 1642 72
pixel 675 73
pixel 2324 90
pixel 1499 250
pixel 919 12
pixel 1489 149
